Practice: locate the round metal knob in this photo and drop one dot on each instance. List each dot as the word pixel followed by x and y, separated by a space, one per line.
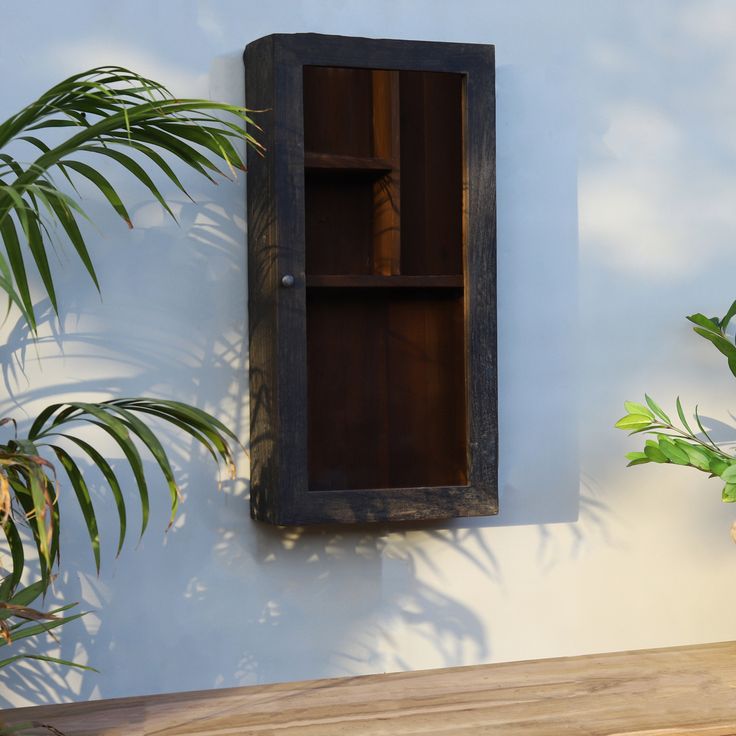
pixel 287 281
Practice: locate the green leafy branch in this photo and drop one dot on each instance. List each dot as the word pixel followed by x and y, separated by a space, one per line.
pixel 677 445
pixel 680 445
pixel 714 329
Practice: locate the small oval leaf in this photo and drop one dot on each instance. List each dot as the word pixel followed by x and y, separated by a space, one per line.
pixel 698 458
pixel 673 453
pixel 681 414
pixel 729 474
pixel 729 493
pixel 657 409
pixel 633 421
pixel 633 408
pixel 655 454
pixel 706 322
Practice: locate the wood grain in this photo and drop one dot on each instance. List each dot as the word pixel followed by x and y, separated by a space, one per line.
pixel 386 376
pixel 338 111
pixel 338 222
pixel 387 190
pixel 682 691
pixel 432 173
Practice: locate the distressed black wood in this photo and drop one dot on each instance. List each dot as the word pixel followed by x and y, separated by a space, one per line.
pixel 276 240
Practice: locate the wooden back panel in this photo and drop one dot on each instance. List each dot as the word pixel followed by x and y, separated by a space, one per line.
pixel 386 368
pixel 386 389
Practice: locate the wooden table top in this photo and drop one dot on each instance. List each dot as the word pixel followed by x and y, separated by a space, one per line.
pixel 658 692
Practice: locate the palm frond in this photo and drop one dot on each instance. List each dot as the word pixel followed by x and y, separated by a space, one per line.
pixel 18 622
pixel 25 479
pixel 29 481
pixel 106 111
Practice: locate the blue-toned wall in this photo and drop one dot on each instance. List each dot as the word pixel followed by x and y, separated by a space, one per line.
pixel 616 217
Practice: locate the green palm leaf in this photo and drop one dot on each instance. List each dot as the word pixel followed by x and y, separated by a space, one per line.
pixel 121 420
pixel 18 621
pixel 105 110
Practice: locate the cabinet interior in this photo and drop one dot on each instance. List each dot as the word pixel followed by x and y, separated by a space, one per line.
pixel 384 229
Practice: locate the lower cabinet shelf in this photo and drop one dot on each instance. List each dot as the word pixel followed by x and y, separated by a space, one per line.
pixel 370 281
pixel 386 397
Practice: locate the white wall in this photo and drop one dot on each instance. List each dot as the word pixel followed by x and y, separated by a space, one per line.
pixel 617 217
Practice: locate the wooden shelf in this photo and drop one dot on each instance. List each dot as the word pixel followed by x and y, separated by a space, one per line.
pixel 369 281
pixel 336 162
pixel 678 691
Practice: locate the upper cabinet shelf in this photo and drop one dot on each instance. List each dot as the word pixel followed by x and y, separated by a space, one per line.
pixel 339 162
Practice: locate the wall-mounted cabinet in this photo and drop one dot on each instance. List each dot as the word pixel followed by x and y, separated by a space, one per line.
pixel 371 237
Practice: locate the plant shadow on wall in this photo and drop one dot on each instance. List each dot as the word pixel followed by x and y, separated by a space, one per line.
pixel 354 599
pixel 110 113
pixel 289 604
pixel 297 593
pixel 116 346
pixel 304 601
pixel 307 601
pixel 178 358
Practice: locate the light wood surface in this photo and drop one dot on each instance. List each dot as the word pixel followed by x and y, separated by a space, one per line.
pixel 683 691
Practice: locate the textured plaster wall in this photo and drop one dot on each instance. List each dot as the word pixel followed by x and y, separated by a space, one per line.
pixel 616 217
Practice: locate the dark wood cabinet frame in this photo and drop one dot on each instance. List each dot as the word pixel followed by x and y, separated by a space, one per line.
pixel 280 473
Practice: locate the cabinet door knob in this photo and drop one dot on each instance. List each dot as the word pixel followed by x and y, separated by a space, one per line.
pixel 287 281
